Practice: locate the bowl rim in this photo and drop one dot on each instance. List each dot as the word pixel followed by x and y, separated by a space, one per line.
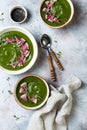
pixel 21 7
pixel 35 48
pixel 36 107
pixel 69 20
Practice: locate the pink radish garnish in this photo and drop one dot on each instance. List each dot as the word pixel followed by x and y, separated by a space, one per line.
pixel 34 100
pixel 24 97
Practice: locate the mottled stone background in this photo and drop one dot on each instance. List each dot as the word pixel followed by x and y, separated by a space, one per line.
pixel 71 41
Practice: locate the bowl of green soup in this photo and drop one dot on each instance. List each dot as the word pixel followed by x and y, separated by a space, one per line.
pixel 56 13
pixel 31 92
pixel 18 50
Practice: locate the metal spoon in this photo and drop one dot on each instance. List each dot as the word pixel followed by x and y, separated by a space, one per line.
pixel 45 44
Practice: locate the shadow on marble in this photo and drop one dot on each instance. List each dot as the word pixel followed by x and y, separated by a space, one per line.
pixel 78 113
pixel 77 12
pixel 79 15
pixel 28 16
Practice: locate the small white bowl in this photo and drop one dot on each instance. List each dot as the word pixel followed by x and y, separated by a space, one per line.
pixel 71 16
pixel 18 12
pixel 35 50
pixel 35 107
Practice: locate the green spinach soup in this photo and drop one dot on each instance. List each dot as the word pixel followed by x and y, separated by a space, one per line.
pixel 55 12
pixel 16 50
pixel 31 91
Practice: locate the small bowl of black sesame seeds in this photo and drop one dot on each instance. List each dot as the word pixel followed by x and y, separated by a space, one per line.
pixel 18 14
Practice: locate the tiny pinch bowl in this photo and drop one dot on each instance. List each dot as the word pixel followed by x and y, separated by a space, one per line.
pixel 67 22
pixel 24 12
pixel 29 107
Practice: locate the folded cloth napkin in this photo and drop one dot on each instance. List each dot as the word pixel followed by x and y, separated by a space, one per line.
pixel 52 115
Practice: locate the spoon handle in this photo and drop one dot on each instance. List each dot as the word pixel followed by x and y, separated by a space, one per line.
pixel 52 71
pixel 56 60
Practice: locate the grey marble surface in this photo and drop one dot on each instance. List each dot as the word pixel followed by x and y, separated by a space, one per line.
pixel 71 41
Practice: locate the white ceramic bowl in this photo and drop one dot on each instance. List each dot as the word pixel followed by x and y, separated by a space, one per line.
pixel 35 48
pixel 67 22
pixel 23 9
pixel 27 107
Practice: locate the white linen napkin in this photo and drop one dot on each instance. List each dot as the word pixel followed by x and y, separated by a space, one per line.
pixel 52 115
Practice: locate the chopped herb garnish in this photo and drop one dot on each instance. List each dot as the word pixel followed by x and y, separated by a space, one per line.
pixel 1 16
pixel 2 13
pixel 8 79
pixel 2 19
pixel 59 54
pixel 16 117
pixel 55 41
pixel 10 92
